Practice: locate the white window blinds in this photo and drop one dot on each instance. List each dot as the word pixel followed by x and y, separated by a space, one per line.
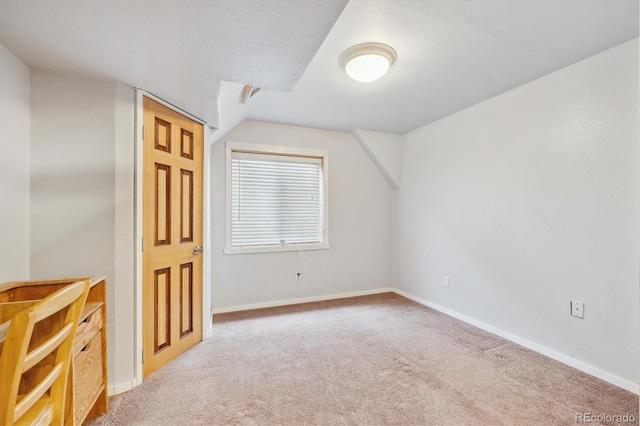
pixel 275 199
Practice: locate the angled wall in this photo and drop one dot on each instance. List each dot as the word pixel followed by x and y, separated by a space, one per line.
pixel 385 151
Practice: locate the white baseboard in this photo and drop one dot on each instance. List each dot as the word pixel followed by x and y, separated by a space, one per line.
pixel 572 362
pixel 300 300
pixel 121 387
pixel 207 333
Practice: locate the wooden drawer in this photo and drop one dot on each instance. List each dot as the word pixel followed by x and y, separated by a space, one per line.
pixel 91 323
pixel 88 377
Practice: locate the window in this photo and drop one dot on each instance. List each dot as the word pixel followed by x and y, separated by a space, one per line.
pixel 276 198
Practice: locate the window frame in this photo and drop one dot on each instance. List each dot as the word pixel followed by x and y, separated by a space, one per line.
pixel 264 149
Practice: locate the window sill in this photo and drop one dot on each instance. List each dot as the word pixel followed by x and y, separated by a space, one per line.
pixel 273 249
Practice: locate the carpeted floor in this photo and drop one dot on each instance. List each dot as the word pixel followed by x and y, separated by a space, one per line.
pixel 374 360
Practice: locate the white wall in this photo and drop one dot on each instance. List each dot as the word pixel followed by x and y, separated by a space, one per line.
pixel 530 200
pixel 81 188
pixel 385 151
pixel 14 167
pixel 359 226
pixel 122 339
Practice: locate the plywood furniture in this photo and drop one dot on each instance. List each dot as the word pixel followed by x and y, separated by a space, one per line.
pixel 36 358
pixel 87 393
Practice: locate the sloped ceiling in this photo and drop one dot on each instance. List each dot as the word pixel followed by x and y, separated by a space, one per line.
pixel 180 50
pixel 451 55
pixel 198 54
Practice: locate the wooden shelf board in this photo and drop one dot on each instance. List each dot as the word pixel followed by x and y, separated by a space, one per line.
pixel 90 308
pixel 86 415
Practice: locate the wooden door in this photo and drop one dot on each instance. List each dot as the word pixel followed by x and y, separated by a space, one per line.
pixel 172 216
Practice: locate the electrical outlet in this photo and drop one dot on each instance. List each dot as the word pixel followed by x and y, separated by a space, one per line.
pixel 445 280
pixel 577 309
pixel 298 276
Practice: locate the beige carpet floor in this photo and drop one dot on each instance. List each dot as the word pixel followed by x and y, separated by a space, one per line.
pixel 374 360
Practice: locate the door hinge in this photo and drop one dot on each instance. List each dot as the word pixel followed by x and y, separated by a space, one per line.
pixel 143 132
pixel 143 356
pixel 143 244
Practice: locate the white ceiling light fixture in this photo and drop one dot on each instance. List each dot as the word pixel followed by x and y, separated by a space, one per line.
pixel 367 62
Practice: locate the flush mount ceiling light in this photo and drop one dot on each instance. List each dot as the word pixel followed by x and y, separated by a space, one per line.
pixel 367 61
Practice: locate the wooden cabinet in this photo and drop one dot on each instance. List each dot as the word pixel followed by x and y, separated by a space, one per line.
pixel 87 395
pixel 90 356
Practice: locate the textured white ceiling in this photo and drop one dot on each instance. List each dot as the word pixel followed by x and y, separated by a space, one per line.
pixel 179 50
pixel 451 55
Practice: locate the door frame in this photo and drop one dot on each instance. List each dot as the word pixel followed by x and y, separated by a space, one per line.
pixel 206 227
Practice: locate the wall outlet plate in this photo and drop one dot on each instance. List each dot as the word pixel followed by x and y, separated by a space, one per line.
pixel 577 309
pixel 445 280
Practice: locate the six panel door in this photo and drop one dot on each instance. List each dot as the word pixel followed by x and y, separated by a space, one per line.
pixel 172 217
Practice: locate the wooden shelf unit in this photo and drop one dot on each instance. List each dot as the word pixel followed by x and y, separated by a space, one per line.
pixel 87 396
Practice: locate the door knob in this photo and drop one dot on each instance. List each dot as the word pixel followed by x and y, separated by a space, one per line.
pixel 197 250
